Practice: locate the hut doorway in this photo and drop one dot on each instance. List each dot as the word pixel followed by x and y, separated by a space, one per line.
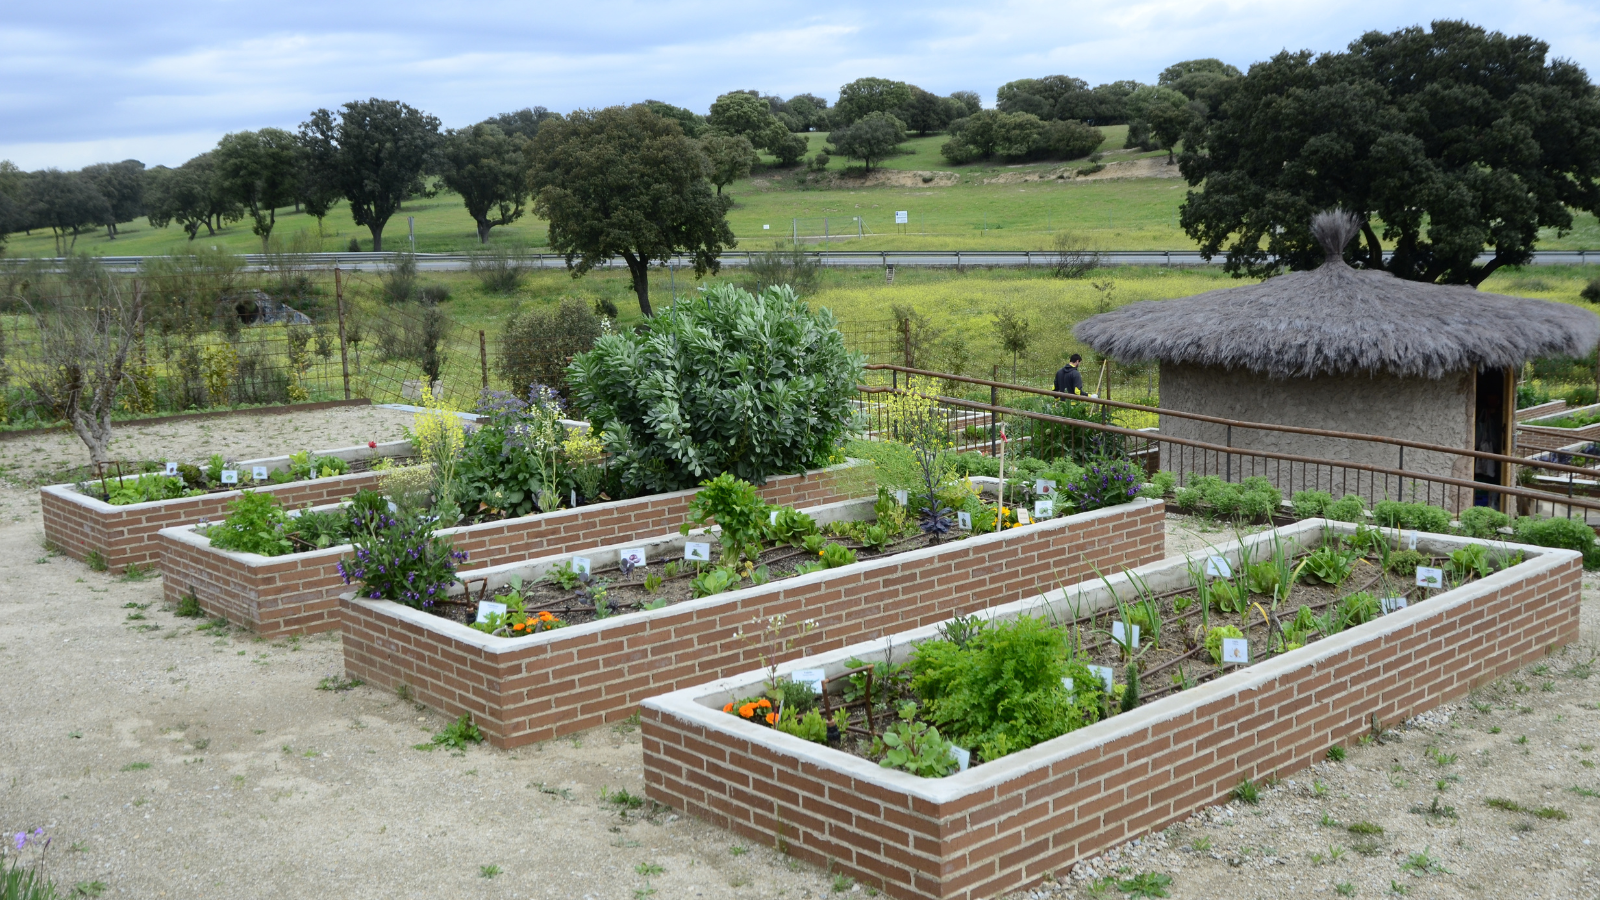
pixel 1493 420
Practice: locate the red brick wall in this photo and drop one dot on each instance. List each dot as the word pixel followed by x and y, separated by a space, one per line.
pixel 75 524
pixel 1135 775
pixel 1533 437
pixel 577 678
pixel 299 593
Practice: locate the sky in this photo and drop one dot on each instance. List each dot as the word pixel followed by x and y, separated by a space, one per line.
pixel 162 81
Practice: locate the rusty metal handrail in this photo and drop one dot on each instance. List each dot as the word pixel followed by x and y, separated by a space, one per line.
pixel 1260 426
pixel 1240 451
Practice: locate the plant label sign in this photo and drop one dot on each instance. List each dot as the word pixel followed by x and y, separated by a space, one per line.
pixel 1217 567
pixel 1044 487
pixel 580 564
pixel 697 551
pixel 1120 633
pixel 230 476
pixel 1044 509
pixel 810 677
pixel 1235 650
pixel 963 757
pixel 1411 539
pixel 172 468
pixel 1022 517
pixel 773 519
pixel 1430 577
pixel 485 607
pixel 964 520
pixel 902 497
pixel 634 556
pixel 1066 683
pixel 1392 604
pixel 901 217
pixel 1104 674
pixel 259 473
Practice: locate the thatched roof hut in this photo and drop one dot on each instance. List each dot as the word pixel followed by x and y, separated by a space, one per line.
pixel 1346 350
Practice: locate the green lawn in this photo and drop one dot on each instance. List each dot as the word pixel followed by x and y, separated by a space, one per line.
pixel 977 212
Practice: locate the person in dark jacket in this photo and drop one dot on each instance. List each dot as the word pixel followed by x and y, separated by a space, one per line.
pixel 1069 380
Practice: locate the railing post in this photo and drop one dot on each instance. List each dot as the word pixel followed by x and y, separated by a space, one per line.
pixel 994 400
pixel 1229 444
pixel 483 357
pixel 344 349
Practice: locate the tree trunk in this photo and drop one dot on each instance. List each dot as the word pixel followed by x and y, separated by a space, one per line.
pixel 111 232
pixel 640 269
pixel 1374 246
pixel 483 231
pixel 377 237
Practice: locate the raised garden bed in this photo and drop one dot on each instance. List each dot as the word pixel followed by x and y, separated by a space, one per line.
pixel 524 689
pixel 297 593
pixel 118 536
pixel 1005 824
pixel 1552 432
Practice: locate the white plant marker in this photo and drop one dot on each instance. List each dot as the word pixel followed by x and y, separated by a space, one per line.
pixel 574 498
pixel 1235 651
pixel 964 521
pixel 1044 509
pixel 697 551
pixel 812 677
pixel 634 555
pixel 580 564
pixel 1105 675
pixel 1066 683
pixel 902 497
pixel 1411 539
pixel 259 473
pixel 1044 487
pixel 230 476
pixel 773 519
pixel 1429 577
pixel 1022 517
pixel 1119 633
pixel 962 756
pixel 1217 567
pixel 1392 604
pixel 485 607
pixel 172 468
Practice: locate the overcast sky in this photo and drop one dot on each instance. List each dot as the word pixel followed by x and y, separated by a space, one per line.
pixel 161 81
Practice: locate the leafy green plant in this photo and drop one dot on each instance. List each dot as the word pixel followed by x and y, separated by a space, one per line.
pixel 1473 559
pixel 1310 504
pixel 1214 640
pixel 564 576
pixel 916 747
pixel 321 528
pixel 789 526
pixel 1160 485
pixel 1405 562
pixel 1418 516
pixel 737 509
pixel 1329 565
pixel 1568 534
pixel 455 736
pixel 1482 521
pixel 835 555
pixel 1358 608
pixel 400 559
pixel 255 524
pixel 808 726
pixel 1247 792
pixel 749 384
pixel 713 581
pixel 1251 498
pixel 1263 577
pixel 145 488
pixel 1227 597
pixel 1145 884
pixel 1349 508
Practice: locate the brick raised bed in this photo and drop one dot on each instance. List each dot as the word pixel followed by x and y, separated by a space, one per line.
pixel 1532 436
pixel 520 690
pixel 1005 825
pixel 298 593
pixel 76 523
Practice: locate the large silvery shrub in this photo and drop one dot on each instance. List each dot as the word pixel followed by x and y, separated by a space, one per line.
pixel 752 384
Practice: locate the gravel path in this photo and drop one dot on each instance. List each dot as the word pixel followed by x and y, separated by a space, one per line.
pixel 171 761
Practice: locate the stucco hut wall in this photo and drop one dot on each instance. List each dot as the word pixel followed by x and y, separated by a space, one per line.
pixel 1434 411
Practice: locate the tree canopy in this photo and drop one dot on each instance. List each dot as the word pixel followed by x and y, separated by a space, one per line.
pixel 626 182
pixel 377 150
pixel 488 168
pixel 260 170
pixel 870 138
pixel 1444 141
pixel 122 186
pixel 66 203
pixel 731 157
pixel 865 96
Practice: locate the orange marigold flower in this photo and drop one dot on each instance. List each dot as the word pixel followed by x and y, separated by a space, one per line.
pixel 729 707
pixel 747 710
pixel 772 718
pixel 764 703
pixel 519 626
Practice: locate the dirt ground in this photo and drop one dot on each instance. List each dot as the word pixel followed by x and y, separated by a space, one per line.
pixel 168 760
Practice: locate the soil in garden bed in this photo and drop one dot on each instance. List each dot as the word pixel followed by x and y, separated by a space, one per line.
pixel 627 593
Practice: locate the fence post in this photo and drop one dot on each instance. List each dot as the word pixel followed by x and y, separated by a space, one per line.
pixel 905 332
pixel 994 400
pixel 344 349
pixel 483 357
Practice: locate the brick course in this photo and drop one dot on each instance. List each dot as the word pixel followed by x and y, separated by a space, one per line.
pixel 520 690
pixel 1006 825
pixel 298 593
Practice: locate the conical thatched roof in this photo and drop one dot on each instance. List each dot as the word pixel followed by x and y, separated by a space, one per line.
pixel 1337 320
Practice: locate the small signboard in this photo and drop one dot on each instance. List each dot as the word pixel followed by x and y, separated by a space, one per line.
pixel 485 607
pixel 810 677
pixel 1235 651
pixel 1430 577
pixel 172 468
pixel 963 757
pixel 1022 517
pixel 1044 487
pixel 633 556
pixel 697 551
pixel 1392 604
pixel 1104 674
pixel 1066 683
pixel 964 520
pixel 1217 567
pixel 902 497
pixel 230 476
pixel 1120 632
pixel 1044 509
pixel 580 564
pixel 259 473
pixel 902 216
pixel 1411 539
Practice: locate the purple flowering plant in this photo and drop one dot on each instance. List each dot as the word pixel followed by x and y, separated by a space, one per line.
pixel 400 558
pixel 1104 482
